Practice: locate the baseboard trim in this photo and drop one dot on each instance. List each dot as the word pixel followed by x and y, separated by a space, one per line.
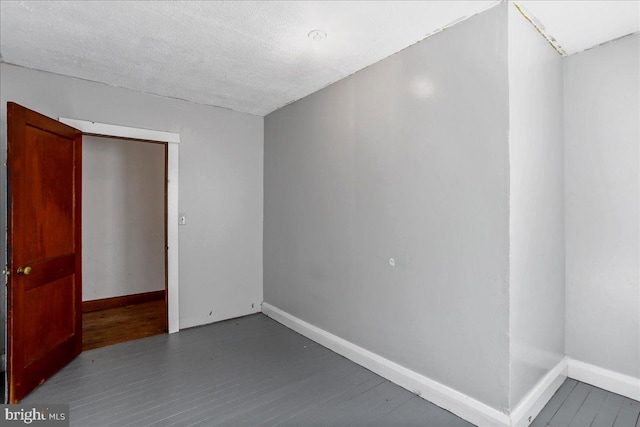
pixel 532 403
pixel 105 303
pixel 615 382
pixel 452 400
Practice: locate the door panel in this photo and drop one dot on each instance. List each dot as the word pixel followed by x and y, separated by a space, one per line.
pixel 44 289
pixel 49 178
pixel 58 328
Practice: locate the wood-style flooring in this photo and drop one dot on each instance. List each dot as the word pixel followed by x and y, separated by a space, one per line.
pixel 582 405
pixel 253 371
pixel 115 325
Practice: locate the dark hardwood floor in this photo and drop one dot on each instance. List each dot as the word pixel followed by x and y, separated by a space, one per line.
pixel 116 325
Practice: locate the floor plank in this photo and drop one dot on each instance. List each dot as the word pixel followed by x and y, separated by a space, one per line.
pixel 415 413
pixel 552 407
pixel 571 405
pixel 315 411
pixel 628 414
pixel 253 371
pixel 244 372
pixel 608 411
pixel 589 409
pixel 115 325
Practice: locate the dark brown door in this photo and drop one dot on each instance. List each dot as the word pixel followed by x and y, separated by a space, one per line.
pixel 44 291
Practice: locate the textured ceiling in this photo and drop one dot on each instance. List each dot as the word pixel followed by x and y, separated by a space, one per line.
pixel 254 57
pixel 247 56
pixel 578 25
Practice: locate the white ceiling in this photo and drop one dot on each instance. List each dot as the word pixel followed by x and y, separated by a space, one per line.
pixel 578 25
pixel 255 57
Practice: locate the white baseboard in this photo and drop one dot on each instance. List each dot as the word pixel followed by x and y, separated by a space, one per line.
pixel 615 382
pixel 452 400
pixel 532 403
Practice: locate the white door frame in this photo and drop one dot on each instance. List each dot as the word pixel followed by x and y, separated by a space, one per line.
pixel 173 143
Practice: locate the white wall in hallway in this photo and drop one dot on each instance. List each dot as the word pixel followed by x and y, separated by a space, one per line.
pixel 123 217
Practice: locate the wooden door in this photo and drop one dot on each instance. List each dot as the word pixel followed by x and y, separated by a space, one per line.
pixel 44 289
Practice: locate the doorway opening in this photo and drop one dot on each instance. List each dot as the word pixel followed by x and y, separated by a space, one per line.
pixel 124 240
pixel 171 142
pixel 44 294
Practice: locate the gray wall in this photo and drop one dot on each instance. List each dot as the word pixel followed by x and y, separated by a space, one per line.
pixel 406 159
pixel 602 135
pixel 221 163
pixel 537 288
pixel 123 217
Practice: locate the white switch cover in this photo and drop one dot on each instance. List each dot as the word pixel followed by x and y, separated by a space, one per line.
pixel 183 219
